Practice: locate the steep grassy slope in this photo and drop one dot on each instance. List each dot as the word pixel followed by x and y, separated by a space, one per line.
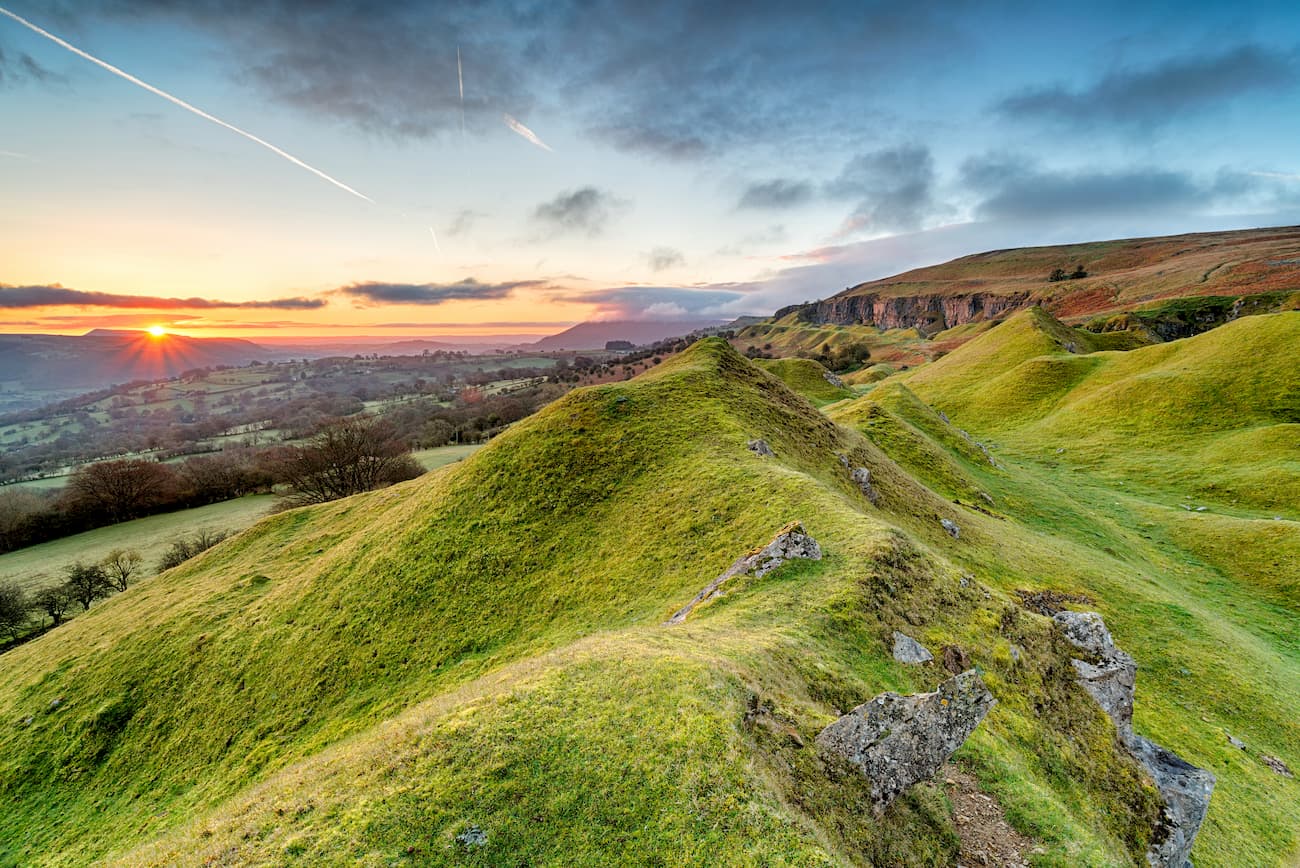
pixel 361 681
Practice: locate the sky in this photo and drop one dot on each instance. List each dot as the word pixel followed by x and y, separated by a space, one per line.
pixel 608 159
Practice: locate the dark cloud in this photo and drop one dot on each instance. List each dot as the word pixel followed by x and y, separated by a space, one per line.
pixel 776 194
pixel 1156 94
pixel 895 187
pixel 585 211
pixel 677 79
pixel 664 258
pixel 16 297
pixel 431 293
pixel 1016 188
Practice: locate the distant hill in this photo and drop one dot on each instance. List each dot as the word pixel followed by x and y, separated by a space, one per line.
pixel 1120 276
pixel 44 363
pixel 594 335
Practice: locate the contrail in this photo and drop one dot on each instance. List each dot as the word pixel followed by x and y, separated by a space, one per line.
pixel 182 103
pixel 1281 176
pixel 460 81
pixel 435 240
pixel 525 132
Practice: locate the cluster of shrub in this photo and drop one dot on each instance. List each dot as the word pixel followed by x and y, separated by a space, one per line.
pixel 1059 274
pixel 83 584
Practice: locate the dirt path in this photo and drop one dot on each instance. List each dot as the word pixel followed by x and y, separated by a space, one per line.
pixel 987 839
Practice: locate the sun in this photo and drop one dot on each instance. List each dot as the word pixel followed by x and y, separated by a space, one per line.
pixel 156 331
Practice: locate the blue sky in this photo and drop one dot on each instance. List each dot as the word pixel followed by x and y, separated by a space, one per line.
pixel 707 160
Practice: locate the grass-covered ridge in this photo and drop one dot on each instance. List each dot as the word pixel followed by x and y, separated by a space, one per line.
pixel 362 681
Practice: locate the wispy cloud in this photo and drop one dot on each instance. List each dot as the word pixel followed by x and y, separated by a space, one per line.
pixel 664 258
pixel 775 194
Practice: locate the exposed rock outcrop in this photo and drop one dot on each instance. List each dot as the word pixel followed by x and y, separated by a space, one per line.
pixel 833 380
pixel 928 313
pixel 861 477
pixel 897 741
pixel 908 650
pixel 760 448
pixel 1110 678
pixel 790 543
pixel 951 527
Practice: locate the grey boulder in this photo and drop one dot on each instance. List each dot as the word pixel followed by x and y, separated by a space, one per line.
pixel 908 650
pixel 897 741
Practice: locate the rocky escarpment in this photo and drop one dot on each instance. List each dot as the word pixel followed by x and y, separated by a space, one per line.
pixel 928 313
pixel 1109 678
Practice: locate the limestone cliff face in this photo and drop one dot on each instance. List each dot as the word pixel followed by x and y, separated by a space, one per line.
pixel 929 313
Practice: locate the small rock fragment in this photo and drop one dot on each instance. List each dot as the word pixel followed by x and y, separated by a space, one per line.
pixel 908 650
pixel 472 837
pixel 759 447
pixel 986 497
pixel 833 380
pixel 951 526
pixel 1236 742
pixel 1276 765
pixel 955 659
pixel 861 476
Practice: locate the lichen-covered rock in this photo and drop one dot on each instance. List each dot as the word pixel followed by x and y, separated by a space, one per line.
pixel 791 542
pixel 833 380
pixel 1112 676
pixel 951 527
pixel 898 741
pixel 1186 791
pixel 760 448
pixel 908 650
pixel 1276 765
pixel 1110 679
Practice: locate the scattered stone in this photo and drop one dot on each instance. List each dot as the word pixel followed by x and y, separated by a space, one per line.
pixel 955 660
pixel 791 542
pixel 472 837
pixel 27 721
pixel 951 526
pixel 1201 508
pixel 1015 652
pixel 833 380
pixel 944 417
pixel 908 650
pixel 986 836
pixel 966 580
pixel 987 498
pixel 1185 789
pixel 760 448
pixel 1236 742
pixel 54 703
pixel 897 741
pixel 844 459
pixel 1050 602
pixel 861 476
pixel 1276 765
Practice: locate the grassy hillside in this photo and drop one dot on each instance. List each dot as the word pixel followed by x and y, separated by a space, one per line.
pixel 806 377
pixel 359 682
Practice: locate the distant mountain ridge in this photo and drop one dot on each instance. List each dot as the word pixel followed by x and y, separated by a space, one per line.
pixel 594 335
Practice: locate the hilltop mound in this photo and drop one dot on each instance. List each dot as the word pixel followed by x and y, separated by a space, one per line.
pixel 474 666
pixel 807 378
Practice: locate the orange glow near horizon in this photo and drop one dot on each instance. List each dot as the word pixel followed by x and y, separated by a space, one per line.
pixel 156 331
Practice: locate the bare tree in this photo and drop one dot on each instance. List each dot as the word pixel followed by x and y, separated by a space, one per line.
pixel 122 489
pixel 119 565
pixel 347 457
pixel 13 609
pixel 54 601
pixel 86 584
